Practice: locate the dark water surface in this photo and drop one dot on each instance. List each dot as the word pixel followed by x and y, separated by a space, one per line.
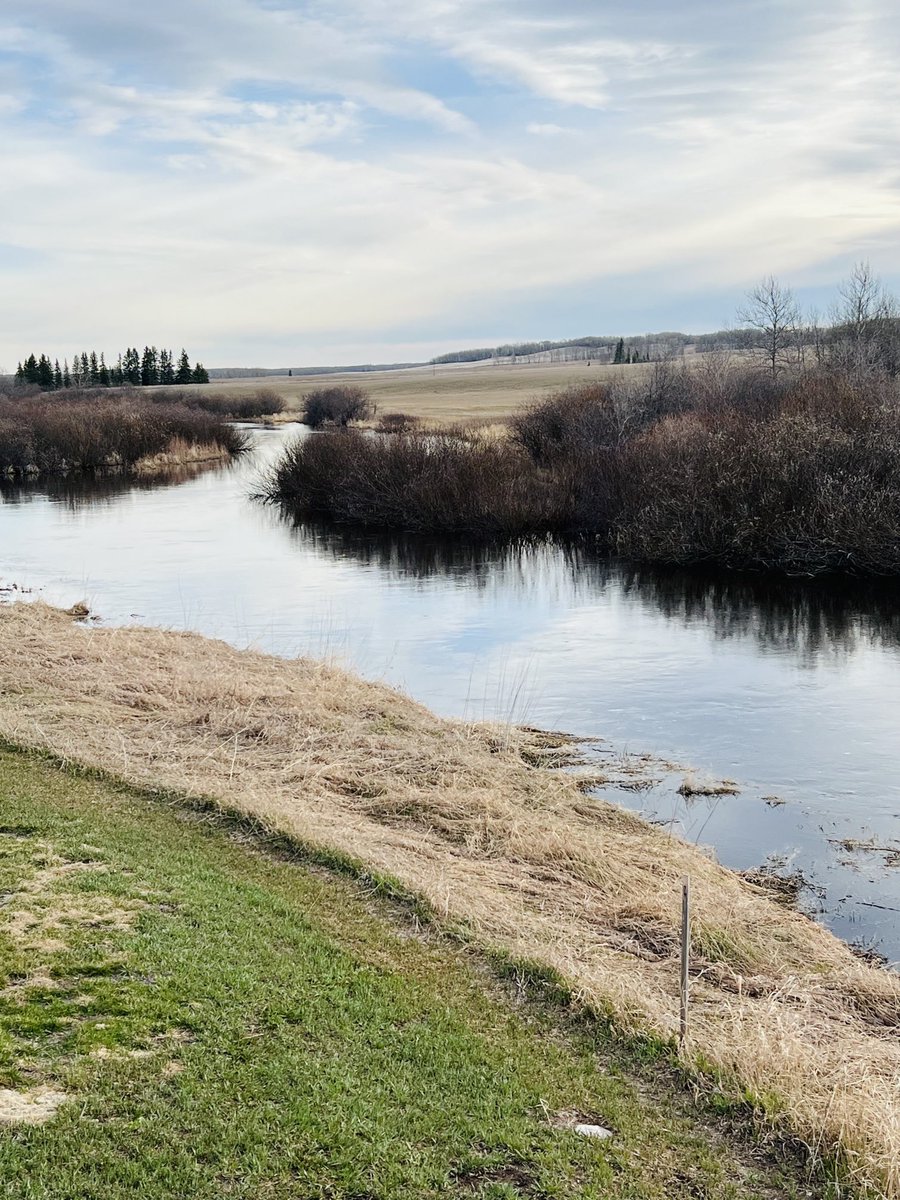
pixel 791 689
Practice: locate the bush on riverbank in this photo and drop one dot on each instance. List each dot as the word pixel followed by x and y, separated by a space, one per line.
pixel 441 483
pixel 722 465
pixel 262 403
pixel 96 431
pixel 337 405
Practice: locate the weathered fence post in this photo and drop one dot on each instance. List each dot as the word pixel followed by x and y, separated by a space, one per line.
pixel 685 957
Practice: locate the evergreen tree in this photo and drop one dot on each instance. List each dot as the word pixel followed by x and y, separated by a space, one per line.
pixel 57 376
pixel 103 373
pixel 200 374
pixel 67 378
pixel 85 369
pixel 620 351
pixel 45 374
pixel 94 368
pixel 20 374
pixel 150 366
pixel 132 366
pixel 184 374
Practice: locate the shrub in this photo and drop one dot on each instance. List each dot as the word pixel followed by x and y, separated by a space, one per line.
pixel 397 422
pixel 417 482
pixel 92 431
pixel 719 465
pixel 338 405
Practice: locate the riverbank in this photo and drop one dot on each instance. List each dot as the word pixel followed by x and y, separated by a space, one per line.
pixel 188 1011
pixel 506 853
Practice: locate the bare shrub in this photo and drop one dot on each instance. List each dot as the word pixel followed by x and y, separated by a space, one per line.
pixel 91 431
pixel 418 482
pixel 337 405
pixel 397 422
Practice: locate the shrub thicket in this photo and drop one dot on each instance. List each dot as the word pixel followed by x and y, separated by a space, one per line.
pixel 441 483
pixel 724 465
pixel 95 431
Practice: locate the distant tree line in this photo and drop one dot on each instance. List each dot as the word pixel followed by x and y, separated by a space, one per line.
pixel 150 368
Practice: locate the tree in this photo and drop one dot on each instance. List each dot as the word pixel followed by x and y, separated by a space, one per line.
pixel 67 378
pixel 866 333
pixel 184 374
pixel 103 374
pixel 150 367
pixel 45 373
pixel 619 356
pixel 772 310
pixel 200 374
pixel 166 367
pixel 57 376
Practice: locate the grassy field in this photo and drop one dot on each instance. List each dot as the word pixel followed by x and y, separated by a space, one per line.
pixel 469 822
pixel 196 1014
pixel 444 394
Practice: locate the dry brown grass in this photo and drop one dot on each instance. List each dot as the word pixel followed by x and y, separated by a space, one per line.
pixel 440 395
pixel 514 852
pixel 181 453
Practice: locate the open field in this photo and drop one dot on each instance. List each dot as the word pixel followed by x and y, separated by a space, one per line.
pixel 439 395
pixel 511 856
pixel 195 1013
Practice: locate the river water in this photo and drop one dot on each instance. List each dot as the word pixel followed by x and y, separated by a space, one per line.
pixel 791 689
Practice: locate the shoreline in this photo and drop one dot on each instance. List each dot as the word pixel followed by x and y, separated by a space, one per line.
pixel 505 853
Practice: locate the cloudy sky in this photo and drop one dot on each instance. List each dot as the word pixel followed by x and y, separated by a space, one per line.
pixel 273 182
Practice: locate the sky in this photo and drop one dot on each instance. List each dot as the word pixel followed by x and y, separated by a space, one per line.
pixel 277 183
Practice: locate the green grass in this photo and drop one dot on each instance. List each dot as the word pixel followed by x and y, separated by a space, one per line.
pixel 228 1022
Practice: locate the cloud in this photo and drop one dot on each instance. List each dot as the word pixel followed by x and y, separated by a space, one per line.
pixel 307 175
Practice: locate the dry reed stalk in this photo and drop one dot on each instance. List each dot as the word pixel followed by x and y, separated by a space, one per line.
pixel 515 852
pixel 181 453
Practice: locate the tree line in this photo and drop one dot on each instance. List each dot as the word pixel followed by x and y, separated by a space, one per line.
pixel 150 368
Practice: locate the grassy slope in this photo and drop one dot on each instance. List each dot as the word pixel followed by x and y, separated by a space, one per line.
pixel 231 1023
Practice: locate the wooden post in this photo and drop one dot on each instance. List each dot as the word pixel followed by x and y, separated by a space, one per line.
pixel 685 958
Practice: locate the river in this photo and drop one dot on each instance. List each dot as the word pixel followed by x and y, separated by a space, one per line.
pixel 791 689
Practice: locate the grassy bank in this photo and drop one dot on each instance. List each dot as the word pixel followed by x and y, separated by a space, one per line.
pixel 507 853
pixel 796 473
pixel 97 431
pixel 195 1014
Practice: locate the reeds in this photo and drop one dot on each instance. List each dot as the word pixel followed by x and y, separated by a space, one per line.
pixel 783 1014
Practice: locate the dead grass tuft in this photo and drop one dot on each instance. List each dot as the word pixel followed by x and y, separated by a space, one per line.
pixel 513 851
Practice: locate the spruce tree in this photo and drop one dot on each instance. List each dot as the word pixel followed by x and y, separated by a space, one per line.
pixel 150 366
pixel 94 369
pixel 103 373
pixel 45 374
pixel 57 376
pixel 200 374
pixel 184 374
pixel 67 378
pixel 620 351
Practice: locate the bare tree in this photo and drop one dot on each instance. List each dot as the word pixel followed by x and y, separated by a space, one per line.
pixel 866 324
pixel 772 310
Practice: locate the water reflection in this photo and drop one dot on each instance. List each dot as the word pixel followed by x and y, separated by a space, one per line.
pixel 808 618
pixel 88 490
